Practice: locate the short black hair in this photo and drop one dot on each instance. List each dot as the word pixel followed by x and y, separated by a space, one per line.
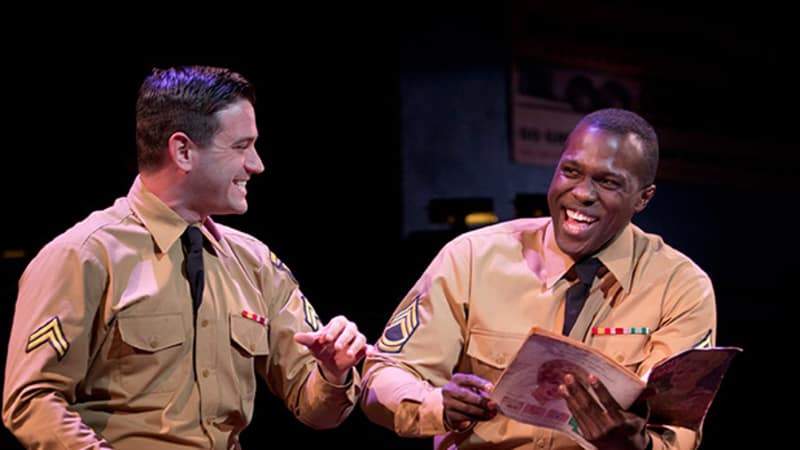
pixel 183 99
pixel 622 122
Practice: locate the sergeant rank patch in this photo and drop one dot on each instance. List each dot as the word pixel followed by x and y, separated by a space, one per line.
pixel 312 319
pixel 400 328
pixel 51 333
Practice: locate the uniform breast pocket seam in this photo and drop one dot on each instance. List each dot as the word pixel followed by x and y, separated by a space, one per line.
pixel 249 335
pixel 152 333
pixel 494 349
pixel 617 345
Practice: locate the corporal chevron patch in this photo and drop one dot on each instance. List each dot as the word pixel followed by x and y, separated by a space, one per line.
pixel 51 333
pixel 312 319
pixel 400 328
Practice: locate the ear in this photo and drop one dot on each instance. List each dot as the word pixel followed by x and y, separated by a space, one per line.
pixel 645 195
pixel 180 146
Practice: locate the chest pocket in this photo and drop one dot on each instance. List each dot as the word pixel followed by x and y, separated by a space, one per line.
pixel 249 336
pixel 249 339
pixel 489 352
pixel 626 349
pixel 150 352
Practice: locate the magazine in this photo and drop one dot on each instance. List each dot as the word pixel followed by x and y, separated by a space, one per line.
pixel 679 390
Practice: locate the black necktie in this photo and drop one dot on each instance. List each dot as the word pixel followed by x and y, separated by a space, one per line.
pixel 193 246
pixel 577 293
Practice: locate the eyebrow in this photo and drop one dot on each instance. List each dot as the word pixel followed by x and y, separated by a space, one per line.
pixel 603 174
pixel 247 139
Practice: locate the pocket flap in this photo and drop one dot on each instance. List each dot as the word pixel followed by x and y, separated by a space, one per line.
pixel 496 350
pixel 249 335
pixel 152 333
pixel 626 349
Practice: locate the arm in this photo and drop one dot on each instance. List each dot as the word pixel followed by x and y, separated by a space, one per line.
pixel 310 367
pixel 48 350
pixel 420 347
pixel 337 347
pixel 689 320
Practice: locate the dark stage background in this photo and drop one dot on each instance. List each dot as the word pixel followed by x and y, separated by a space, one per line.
pixel 331 86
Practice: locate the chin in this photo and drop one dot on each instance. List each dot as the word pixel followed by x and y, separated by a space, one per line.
pixel 569 245
pixel 238 206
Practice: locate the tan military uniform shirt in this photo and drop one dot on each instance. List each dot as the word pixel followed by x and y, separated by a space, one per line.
pixel 473 306
pixel 101 355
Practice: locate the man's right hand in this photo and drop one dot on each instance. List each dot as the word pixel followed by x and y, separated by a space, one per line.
pixel 466 400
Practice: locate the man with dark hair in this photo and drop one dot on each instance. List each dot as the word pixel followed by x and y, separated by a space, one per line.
pixel 144 325
pixel 581 270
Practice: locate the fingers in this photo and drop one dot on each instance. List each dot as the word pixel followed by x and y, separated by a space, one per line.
pixel 334 329
pixel 345 336
pixel 457 412
pixel 597 413
pixel 583 406
pixel 338 345
pixel 466 398
pixel 357 347
pixel 340 332
pixel 467 380
pixel 604 397
pixel 577 393
pixel 328 333
pixel 307 339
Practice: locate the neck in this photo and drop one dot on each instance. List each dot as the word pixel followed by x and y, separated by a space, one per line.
pixel 170 187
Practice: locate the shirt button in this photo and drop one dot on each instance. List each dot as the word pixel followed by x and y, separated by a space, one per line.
pixel 204 323
pixel 620 358
pixel 205 375
pixel 153 343
pixel 252 347
pixel 540 442
pixel 501 358
pixel 210 420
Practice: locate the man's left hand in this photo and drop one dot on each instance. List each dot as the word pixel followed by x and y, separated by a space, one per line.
pixel 602 421
pixel 338 347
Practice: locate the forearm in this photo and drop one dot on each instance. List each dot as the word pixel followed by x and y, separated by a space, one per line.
pixel 45 421
pixel 49 349
pixel 396 400
pixel 322 404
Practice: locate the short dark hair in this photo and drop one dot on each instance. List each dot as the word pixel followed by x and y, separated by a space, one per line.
pixel 622 122
pixel 183 99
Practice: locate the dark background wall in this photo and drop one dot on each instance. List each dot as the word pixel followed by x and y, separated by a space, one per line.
pixel 354 106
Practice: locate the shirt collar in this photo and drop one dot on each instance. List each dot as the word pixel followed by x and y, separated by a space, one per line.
pixel 164 224
pixel 617 257
pixel 556 262
pixel 214 235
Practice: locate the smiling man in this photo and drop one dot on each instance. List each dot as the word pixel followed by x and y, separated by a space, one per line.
pixel 144 325
pixel 586 266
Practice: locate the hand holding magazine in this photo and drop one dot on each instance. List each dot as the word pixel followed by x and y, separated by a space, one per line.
pixel 678 390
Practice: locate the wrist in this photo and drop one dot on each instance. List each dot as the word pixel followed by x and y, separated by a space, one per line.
pixel 339 380
pixel 458 428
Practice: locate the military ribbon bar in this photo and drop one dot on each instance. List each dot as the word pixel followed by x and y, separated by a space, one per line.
pixel 253 316
pixel 596 331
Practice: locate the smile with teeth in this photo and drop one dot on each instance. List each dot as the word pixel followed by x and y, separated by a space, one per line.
pixel 577 221
pixel 241 185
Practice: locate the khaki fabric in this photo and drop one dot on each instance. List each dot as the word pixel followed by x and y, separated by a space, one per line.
pixel 473 306
pixel 100 353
